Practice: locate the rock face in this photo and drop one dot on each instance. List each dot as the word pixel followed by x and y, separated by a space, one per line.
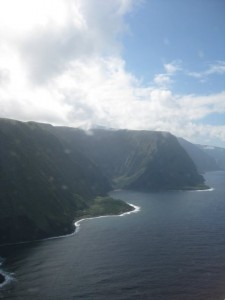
pixel 202 159
pixel 43 184
pixel 141 160
pixel 50 175
pixel 216 153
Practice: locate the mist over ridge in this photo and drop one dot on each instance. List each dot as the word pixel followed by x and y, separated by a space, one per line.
pixel 52 175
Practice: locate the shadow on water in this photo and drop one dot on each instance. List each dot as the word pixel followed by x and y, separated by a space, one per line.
pixel 25 263
pixel 174 248
pixel 18 252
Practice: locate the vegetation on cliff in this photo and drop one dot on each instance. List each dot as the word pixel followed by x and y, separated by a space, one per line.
pixel 141 160
pixel 50 176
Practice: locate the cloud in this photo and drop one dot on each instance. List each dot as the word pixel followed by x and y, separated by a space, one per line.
pixel 61 63
pixel 172 67
pixel 162 80
pixel 165 79
pixel 48 35
pixel 216 68
pixel 198 107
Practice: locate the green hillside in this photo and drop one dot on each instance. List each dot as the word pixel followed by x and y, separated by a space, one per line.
pixel 50 176
pixel 43 184
pixel 141 160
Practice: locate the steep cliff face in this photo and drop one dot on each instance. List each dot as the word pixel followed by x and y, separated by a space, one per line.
pixel 216 153
pixel 168 168
pixel 43 183
pixel 141 160
pixel 203 161
pixel 51 175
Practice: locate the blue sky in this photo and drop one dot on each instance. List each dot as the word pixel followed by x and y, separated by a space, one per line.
pixel 136 64
pixel 191 33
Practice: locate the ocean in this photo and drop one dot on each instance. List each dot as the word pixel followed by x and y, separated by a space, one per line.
pixel 172 249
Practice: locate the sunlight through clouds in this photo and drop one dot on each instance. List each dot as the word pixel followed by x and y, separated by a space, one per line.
pixel 62 62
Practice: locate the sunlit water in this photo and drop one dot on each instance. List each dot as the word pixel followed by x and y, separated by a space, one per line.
pixel 173 248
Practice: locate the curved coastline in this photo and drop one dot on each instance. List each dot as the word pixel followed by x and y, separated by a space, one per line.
pixel 206 190
pixel 210 189
pixel 135 210
pixel 5 278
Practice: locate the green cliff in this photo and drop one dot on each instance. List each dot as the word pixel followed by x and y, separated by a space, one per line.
pixel 50 176
pixel 140 160
pixel 43 184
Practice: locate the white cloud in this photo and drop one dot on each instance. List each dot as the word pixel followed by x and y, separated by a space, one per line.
pixel 61 63
pixel 48 35
pixel 162 80
pixel 165 80
pixel 172 67
pixel 218 68
pixel 215 68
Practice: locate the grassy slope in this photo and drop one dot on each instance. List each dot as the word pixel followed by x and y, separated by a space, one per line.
pixel 50 175
pixel 42 185
pixel 105 206
pixel 141 160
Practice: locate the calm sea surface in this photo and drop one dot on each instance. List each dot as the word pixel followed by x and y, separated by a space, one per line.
pixel 174 248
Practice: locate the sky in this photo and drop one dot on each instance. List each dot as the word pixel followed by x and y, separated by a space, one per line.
pixel 135 64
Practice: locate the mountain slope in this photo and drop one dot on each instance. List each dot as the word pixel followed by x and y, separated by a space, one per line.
pixel 203 161
pixel 50 176
pixel 142 160
pixel 217 153
pixel 43 184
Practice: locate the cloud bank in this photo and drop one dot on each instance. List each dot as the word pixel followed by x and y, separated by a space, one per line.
pixel 61 62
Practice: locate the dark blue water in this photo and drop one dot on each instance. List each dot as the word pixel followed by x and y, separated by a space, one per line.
pixel 174 248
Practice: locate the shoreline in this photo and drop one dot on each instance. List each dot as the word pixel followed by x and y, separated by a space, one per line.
pixel 4 276
pixel 210 189
pixel 136 209
pixel 205 190
pixel 7 278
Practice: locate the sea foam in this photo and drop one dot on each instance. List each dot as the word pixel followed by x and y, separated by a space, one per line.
pixel 77 226
pixel 207 190
pixel 8 277
pixel 77 223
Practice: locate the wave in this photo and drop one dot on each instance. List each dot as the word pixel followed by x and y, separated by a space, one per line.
pixel 77 225
pixel 8 277
pixel 136 209
pixel 207 190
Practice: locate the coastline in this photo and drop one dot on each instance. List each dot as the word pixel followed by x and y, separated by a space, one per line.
pixel 5 278
pixel 135 210
pixel 205 190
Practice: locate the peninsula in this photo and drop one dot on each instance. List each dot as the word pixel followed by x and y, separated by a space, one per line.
pixel 51 176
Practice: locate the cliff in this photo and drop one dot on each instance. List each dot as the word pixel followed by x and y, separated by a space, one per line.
pixel 50 176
